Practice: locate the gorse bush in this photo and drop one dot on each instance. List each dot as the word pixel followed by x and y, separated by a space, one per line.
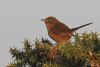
pixel 83 49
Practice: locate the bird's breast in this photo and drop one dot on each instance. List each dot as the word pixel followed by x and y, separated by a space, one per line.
pixel 59 37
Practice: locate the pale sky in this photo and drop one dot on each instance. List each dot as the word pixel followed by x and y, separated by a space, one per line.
pixel 21 18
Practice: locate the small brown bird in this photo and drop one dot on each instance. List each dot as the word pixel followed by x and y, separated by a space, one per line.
pixel 58 31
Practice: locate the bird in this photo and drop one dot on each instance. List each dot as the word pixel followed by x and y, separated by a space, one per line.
pixel 58 31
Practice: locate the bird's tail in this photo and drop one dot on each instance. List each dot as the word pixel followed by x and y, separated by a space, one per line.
pixel 74 29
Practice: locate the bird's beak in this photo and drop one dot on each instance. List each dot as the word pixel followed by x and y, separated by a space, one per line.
pixel 42 20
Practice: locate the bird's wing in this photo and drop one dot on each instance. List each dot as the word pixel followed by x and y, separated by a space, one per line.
pixel 60 29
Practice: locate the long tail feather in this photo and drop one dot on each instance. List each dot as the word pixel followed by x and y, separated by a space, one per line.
pixel 74 29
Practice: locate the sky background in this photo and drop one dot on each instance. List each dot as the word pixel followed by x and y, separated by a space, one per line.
pixel 21 18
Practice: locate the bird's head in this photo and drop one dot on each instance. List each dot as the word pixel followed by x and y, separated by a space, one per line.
pixel 50 21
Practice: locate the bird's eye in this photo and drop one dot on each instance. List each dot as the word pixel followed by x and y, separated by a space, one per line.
pixel 49 19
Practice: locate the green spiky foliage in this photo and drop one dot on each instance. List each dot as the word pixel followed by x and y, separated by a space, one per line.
pixel 73 54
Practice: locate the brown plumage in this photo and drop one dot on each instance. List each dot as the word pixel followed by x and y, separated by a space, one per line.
pixel 58 31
